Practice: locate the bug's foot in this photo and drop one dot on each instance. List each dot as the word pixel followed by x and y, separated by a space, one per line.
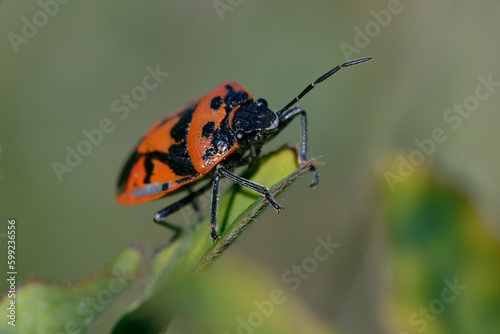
pixel 273 202
pixel 158 218
pixel 315 171
pixel 214 236
pixel 302 161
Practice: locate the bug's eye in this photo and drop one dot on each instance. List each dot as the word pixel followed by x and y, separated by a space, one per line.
pixel 240 134
pixel 262 102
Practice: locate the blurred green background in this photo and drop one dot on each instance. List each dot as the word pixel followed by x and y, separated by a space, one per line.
pixel 427 58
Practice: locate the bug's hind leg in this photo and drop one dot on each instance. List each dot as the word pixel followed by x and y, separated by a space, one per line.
pixel 174 228
pixel 160 216
pixel 196 208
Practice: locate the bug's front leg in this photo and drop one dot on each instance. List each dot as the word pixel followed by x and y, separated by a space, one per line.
pixel 260 189
pixel 284 120
pixel 222 172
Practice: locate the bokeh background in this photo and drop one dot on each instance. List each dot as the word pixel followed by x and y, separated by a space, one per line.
pixel 428 56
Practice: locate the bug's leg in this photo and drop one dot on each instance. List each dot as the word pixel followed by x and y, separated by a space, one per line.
pixel 215 207
pixel 286 118
pixel 176 229
pixel 251 185
pixel 196 207
pixel 160 216
pixel 254 153
pixel 250 159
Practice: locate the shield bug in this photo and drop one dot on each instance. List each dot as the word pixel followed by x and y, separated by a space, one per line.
pixel 208 138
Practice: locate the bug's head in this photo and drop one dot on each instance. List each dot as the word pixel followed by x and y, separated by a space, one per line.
pixel 253 122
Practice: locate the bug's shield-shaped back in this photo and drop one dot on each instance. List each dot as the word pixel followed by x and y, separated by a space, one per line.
pixel 210 137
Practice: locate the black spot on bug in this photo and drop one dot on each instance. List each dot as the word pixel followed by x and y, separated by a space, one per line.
pixel 127 169
pixel 224 136
pixel 208 129
pixel 180 161
pixel 165 186
pixel 179 131
pixel 209 152
pixel 235 98
pixel 223 139
pixel 177 157
pixel 216 103
pixel 149 166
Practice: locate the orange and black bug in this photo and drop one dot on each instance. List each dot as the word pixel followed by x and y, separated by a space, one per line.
pixel 211 136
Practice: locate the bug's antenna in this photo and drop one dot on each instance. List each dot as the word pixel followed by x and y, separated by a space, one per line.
pixel 322 78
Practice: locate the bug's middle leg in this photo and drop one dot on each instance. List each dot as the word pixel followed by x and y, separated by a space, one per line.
pixel 215 208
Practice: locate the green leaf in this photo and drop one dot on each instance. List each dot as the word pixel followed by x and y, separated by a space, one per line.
pixel 445 266
pixel 55 307
pixel 239 296
pixel 194 251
